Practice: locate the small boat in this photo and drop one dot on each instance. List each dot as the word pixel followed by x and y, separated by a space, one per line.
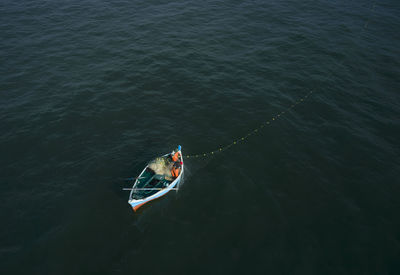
pixel 155 180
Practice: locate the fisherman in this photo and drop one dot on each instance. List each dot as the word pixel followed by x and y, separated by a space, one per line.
pixel 176 169
pixel 176 156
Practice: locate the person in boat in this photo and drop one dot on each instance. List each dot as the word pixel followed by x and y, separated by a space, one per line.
pixel 176 156
pixel 176 169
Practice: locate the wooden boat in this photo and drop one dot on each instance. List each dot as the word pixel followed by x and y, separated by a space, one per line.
pixel 152 183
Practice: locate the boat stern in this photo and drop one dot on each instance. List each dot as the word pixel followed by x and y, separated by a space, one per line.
pixel 136 204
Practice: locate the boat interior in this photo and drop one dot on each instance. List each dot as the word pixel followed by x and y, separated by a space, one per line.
pixel 149 180
pixel 152 181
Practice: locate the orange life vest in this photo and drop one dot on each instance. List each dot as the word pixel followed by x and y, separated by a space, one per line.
pixel 175 172
pixel 175 157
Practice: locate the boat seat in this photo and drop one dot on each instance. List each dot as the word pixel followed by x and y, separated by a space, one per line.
pixel 159 177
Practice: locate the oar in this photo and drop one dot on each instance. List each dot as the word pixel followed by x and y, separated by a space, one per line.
pixel 129 189
pixel 134 178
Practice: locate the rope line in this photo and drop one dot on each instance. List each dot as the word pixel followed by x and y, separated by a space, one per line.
pixel 253 132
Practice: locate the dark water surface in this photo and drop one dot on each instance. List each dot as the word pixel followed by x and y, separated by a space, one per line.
pixel 92 90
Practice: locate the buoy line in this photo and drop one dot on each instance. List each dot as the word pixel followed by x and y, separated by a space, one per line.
pixel 254 131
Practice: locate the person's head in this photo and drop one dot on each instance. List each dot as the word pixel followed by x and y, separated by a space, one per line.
pixel 179 147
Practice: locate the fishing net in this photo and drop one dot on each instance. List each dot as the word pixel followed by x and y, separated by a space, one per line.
pixel 162 166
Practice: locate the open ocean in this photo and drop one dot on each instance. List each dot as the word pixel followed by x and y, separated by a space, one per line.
pixel 91 90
